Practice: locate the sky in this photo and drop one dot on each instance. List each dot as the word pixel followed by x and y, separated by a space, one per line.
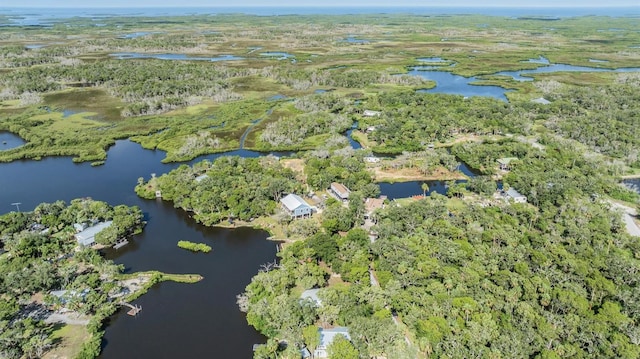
pixel 316 3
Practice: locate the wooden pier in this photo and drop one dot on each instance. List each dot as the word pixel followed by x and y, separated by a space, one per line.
pixel 134 309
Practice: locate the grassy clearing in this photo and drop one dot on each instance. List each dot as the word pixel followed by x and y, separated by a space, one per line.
pixel 68 340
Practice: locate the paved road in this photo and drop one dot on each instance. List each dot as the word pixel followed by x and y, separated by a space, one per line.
pixel 627 216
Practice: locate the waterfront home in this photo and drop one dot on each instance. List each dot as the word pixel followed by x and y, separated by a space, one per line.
pixel 505 163
pixel 515 196
pixel 296 207
pixel 327 337
pixel 87 236
pixel 340 191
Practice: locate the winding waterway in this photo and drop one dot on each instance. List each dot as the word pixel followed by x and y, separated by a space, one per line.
pixel 178 320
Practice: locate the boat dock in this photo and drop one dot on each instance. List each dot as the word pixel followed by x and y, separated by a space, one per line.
pixel 120 244
pixel 134 309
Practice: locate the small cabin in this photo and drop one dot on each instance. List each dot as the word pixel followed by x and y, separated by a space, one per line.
pixel 506 163
pixel 515 196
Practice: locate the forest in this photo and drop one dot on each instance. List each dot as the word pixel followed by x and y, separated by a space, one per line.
pixel 467 274
pixel 38 255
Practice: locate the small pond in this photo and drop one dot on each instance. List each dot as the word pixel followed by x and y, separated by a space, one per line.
pixel 354 40
pixel 136 35
pixel 432 59
pixel 138 55
pixel 9 140
pixel 413 188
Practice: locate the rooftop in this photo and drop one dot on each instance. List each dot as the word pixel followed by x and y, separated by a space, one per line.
pixel 505 161
pixel 541 100
pixel 328 335
pixel 340 188
pixel 311 294
pixel 293 202
pixel 86 237
pixel 511 192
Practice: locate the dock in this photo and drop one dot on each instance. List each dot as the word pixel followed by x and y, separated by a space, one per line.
pixel 120 244
pixel 134 309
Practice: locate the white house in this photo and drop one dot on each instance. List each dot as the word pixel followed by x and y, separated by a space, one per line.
pixel 312 295
pixel 515 196
pixel 371 159
pixel 87 236
pixel 370 113
pixel 326 338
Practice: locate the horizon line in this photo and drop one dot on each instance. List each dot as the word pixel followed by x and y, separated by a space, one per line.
pixel 325 6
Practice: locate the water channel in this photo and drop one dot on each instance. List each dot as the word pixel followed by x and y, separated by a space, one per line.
pixel 449 83
pixel 178 320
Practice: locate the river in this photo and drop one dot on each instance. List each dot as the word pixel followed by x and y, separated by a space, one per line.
pixel 177 320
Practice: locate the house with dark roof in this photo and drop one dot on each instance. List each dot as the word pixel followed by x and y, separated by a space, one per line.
pixel 340 190
pixel 296 207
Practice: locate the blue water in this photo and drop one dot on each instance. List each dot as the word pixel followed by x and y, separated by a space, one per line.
pixel 522 74
pixel 449 83
pixel 432 59
pixel 136 35
pixel 354 40
pixel 540 60
pixel 138 55
pixel 10 140
pixel 413 188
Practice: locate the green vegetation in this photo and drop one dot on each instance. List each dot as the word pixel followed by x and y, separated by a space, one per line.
pixel 228 188
pixel 41 258
pixel 194 247
pixel 71 98
pixel 467 275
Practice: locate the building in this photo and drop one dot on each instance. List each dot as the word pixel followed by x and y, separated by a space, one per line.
pixel 296 207
pixel 372 204
pixel 326 338
pixel 312 295
pixel 371 159
pixel 515 196
pixel 541 100
pixel 201 178
pixel 506 163
pixel 370 113
pixel 87 236
pixel 340 190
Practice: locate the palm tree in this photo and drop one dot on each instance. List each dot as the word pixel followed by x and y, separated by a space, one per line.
pixel 425 189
